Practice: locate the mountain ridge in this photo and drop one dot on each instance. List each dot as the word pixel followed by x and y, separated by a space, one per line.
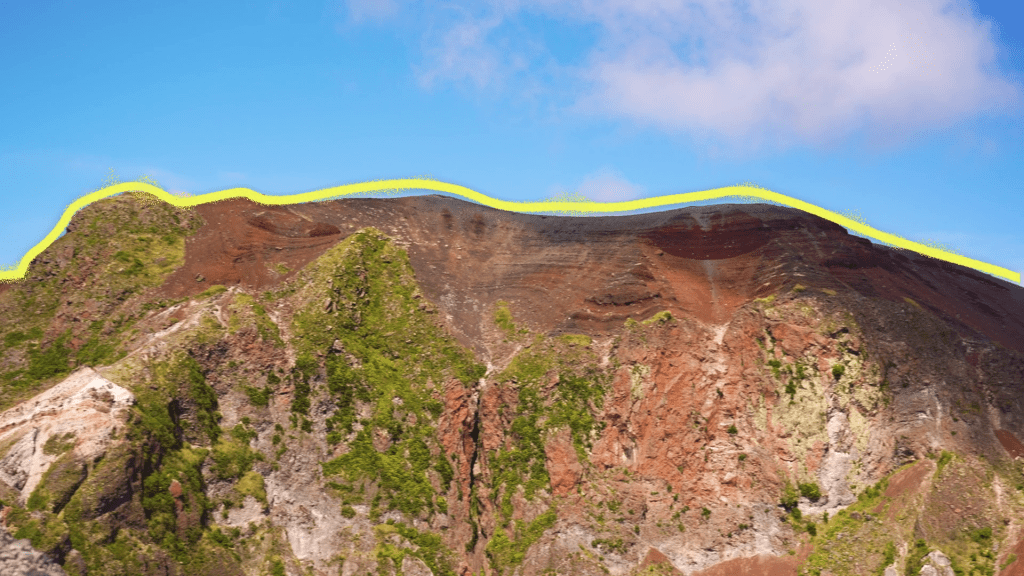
pixel 689 390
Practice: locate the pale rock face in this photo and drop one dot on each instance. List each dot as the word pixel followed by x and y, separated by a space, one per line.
pixel 837 463
pixel 312 519
pixel 937 564
pixel 412 566
pixel 86 405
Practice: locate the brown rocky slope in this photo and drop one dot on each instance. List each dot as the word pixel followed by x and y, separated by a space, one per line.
pixel 717 390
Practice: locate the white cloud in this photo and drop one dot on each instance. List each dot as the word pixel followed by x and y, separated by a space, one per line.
pixel 784 73
pixel 607 185
pixel 463 53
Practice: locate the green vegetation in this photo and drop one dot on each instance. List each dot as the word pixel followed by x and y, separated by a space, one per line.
pixel 507 550
pixel 578 393
pixel 790 497
pixel 397 540
pixel 59 444
pixel 944 459
pixel 58 484
pixel 180 467
pixel 888 557
pixel 732 430
pixel 212 291
pixel 853 541
pixel 258 396
pixel 915 557
pixel 399 471
pixel 576 339
pixel 838 370
pixel 243 305
pixel 810 491
pixel 607 545
pixel 662 317
pixel 17 337
pixel 251 484
pixel 305 368
pixel 503 318
pixel 232 457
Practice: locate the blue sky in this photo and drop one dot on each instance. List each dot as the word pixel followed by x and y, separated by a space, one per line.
pixel 908 112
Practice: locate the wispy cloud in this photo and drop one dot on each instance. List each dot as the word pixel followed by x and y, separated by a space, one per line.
pixel 371 10
pixel 604 185
pixel 786 73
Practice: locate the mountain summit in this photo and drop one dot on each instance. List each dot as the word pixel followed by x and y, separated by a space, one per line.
pixel 423 385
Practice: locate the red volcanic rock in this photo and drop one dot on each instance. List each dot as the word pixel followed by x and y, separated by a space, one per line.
pixel 562 463
pixel 588 274
pixel 175 489
pixel 655 557
pixel 1013 446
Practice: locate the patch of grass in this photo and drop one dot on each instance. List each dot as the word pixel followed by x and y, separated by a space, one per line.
pixel 214 290
pixel 17 337
pixel 607 545
pixel 59 444
pixel 576 339
pixel 850 543
pixel 267 328
pixel 503 318
pixel 660 318
pixel 231 458
pixel 54 361
pixel 251 484
pixel 506 551
pixel 426 546
pixel 944 459
pixel 258 396
pixel 401 478
pixel 888 557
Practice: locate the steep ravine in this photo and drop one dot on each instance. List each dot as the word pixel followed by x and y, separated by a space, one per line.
pixel 421 386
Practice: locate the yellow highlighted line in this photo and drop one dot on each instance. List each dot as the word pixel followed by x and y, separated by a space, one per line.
pixel 542 206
